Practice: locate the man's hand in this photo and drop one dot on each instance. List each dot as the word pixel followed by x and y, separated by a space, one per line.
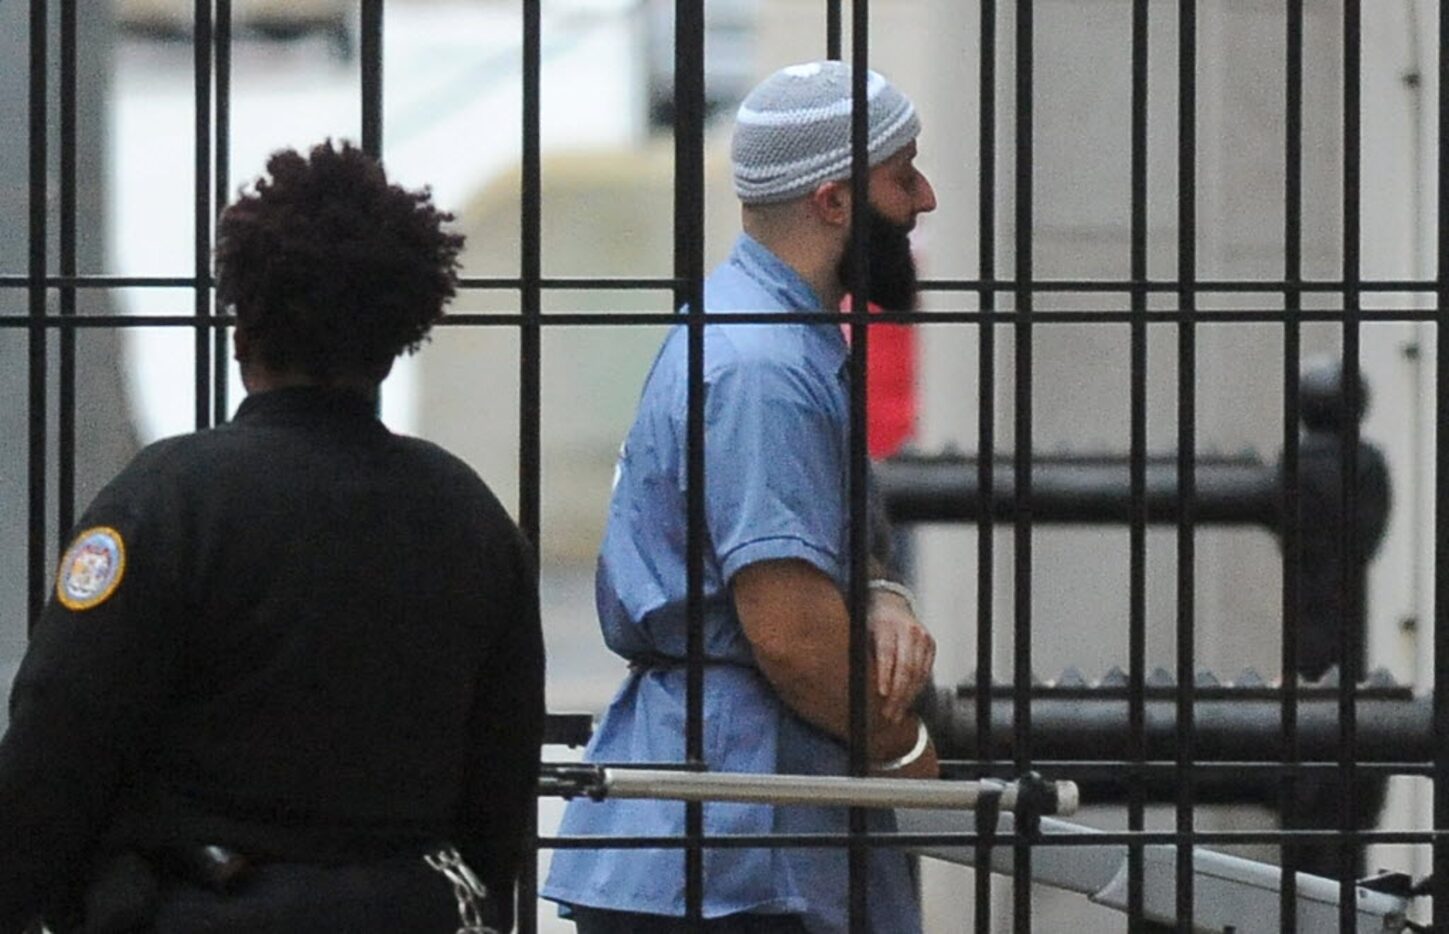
pixel 904 653
pixel 798 626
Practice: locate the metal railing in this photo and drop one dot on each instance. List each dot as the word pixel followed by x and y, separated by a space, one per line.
pixel 51 322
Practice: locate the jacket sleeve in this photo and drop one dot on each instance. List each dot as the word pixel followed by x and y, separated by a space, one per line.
pixel 506 731
pixel 95 672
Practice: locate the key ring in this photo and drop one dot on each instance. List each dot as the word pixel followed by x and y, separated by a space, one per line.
pixel 467 889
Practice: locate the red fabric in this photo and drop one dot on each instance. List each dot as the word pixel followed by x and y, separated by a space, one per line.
pixel 890 386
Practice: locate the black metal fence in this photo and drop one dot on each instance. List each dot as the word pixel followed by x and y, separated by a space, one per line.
pixel 51 283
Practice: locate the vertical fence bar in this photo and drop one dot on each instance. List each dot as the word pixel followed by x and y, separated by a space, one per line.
pixel 1351 639
pixel 859 469
pixel 689 268
pixel 69 87
pixel 370 53
pixel 1291 532
pixel 1022 335
pixel 201 43
pixel 1440 846
pixel 530 369
pixel 986 429
pixel 1137 519
pixel 39 404
pixel 222 177
pixel 531 259
pixel 1186 447
pixel 834 29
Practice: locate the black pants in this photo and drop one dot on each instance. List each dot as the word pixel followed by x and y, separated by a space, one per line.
pixel 389 897
pixel 599 921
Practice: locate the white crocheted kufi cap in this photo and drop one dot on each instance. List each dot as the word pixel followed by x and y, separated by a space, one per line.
pixel 792 132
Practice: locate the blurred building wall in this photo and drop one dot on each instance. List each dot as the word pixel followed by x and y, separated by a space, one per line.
pixel 1081 230
pixel 604 213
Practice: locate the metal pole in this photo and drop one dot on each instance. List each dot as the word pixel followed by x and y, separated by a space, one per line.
pixel 1022 528
pixel 201 50
pixel 530 367
pixel 370 49
pixel 689 104
pixel 221 363
pixel 858 469
pixel 986 418
pixel 1186 446
pixel 39 239
pixel 823 791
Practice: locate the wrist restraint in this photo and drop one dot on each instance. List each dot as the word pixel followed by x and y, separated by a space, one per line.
pixel 900 590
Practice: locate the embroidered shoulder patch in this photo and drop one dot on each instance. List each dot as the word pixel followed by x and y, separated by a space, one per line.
pixel 91 568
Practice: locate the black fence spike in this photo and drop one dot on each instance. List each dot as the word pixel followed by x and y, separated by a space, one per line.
pixel 1161 678
pixel 1379 683
pixel 1249 678
pixel 1381 678
pixel 1071 677
pixel 1114 678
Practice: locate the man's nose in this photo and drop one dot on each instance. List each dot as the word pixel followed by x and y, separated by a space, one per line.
pixel 925 197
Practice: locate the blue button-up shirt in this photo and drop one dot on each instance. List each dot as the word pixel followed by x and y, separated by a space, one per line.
pixel 776 460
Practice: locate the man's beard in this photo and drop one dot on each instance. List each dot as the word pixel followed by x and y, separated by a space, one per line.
pixel 893 285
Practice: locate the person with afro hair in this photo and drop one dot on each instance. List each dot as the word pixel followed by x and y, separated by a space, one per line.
pixel 331 271
pixel 291 674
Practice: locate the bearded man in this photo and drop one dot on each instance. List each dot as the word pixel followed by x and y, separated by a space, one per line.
pixel 776 623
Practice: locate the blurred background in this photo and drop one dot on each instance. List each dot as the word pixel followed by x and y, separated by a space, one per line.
pixel 453 118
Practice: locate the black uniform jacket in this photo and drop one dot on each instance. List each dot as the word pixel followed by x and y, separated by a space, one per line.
pixel 324 647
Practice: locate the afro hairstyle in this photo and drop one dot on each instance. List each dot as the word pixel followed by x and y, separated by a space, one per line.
pixel 331 269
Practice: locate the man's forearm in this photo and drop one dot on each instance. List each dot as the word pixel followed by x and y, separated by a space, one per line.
pixel 799 628
pixel 820 694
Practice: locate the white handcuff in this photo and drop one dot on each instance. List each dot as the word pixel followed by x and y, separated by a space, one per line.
pixel 900 590
pixel 923 738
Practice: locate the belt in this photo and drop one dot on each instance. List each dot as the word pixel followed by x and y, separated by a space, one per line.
pixel 223 871
pixel 214 867
pixel 221 868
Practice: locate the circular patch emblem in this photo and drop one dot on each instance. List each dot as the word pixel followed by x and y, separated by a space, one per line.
pixel 91 569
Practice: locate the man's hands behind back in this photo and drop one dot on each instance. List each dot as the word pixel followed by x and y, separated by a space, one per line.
pixel 904 653
pixel 799 627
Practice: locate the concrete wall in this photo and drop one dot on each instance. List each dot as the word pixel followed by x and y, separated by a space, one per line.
pixel 1082 127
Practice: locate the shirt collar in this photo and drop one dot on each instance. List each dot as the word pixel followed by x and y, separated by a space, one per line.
pixel 757 262
pixel 308 401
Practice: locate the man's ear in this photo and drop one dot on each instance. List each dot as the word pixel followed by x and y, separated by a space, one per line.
pixel 241 343
pixel 831 203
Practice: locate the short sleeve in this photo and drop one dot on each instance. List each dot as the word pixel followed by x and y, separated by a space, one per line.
pixel 774 467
